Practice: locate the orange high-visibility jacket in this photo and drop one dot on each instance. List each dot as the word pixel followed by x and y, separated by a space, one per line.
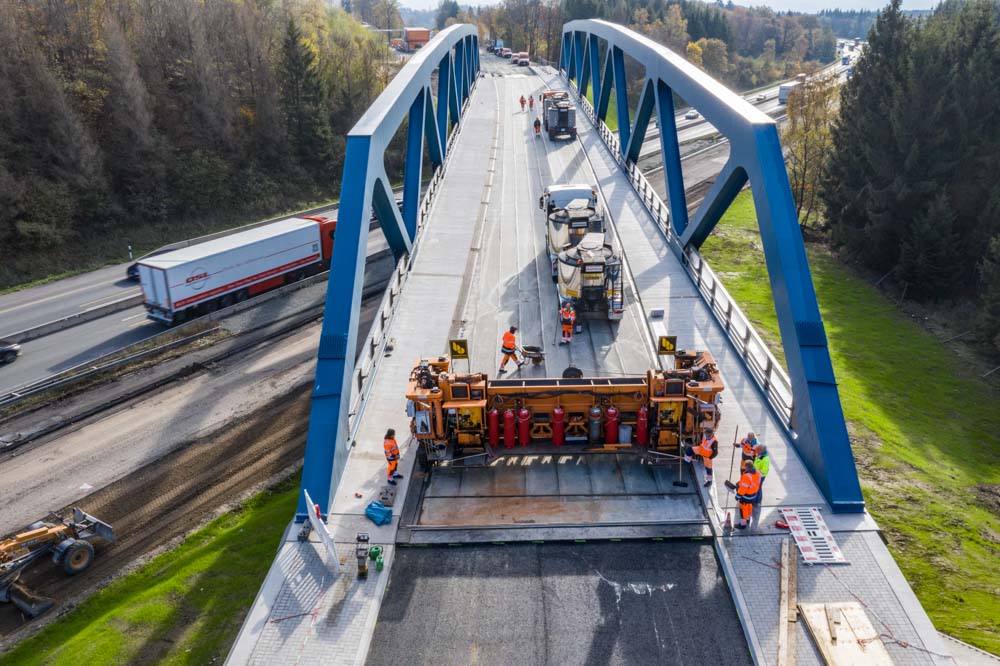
pixel 749 486
pixel 391 449
pixel 509 343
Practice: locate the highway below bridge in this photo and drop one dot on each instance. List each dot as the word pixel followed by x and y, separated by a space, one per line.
pixel 554 559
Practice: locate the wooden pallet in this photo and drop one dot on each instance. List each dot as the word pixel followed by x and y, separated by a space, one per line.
pixel 844 635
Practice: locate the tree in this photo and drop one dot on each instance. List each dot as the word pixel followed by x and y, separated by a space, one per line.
pixel 694 54
pixel 988 315
pixel 304 101
pixel 447 9
pixel 806 136
pixel 714 56
pixel 929 258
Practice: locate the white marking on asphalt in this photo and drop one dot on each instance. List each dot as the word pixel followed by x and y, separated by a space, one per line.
pixel 141 314
pixel 109 298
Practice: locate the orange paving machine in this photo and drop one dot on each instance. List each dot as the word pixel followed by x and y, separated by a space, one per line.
pixel 470 416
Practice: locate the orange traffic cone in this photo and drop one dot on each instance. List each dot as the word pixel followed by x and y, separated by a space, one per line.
pixel 729 520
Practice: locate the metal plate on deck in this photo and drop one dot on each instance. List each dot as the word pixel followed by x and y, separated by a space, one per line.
pixel 812 536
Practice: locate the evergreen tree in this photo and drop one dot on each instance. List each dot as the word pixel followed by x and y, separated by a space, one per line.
pixel 928 258
pixel 988 316
pixel 304 98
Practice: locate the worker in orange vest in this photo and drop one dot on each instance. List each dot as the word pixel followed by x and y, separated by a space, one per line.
pixel 567 317
pixel 531 103
pixel 748 447
pixel 522 102
pixel 509 349
pixel 747 493
pixel 708 449
pixel 391 456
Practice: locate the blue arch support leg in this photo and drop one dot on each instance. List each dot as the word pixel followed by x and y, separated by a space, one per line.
pixel 365 188
pixel 815 420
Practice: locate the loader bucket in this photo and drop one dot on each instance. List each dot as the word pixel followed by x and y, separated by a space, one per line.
pixel 88 526
pixel 31 604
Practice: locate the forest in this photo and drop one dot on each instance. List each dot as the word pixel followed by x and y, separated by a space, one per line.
pixel 910 189
pixel 118 117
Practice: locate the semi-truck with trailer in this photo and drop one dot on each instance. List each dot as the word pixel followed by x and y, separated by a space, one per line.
pixel 558 114
pixel 191 281
pixel 786 89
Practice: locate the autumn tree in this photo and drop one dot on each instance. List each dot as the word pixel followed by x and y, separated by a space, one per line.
pixel 811 110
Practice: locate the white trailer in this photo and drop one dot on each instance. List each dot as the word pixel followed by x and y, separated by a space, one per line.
pixel 192 280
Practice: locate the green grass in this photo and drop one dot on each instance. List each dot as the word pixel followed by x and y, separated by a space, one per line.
pixel 923 426
pixel 612 120
pixel 184 607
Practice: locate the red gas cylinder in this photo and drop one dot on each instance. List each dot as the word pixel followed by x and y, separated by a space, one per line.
pixel 493 418
pixel 642 426
pixel 558 426
pixel 611 425
pixel 508 429
pixel 524 426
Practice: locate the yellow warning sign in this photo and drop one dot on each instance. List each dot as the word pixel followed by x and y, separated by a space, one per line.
pixel 459 348
pixel 667 345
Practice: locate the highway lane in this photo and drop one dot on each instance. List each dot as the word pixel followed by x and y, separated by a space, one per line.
pixel 32 307
pixel 62 350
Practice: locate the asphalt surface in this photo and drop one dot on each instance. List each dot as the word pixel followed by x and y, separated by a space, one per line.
pixel 576 603
pixel 32 307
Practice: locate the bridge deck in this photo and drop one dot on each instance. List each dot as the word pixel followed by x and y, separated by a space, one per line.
pixel 480 267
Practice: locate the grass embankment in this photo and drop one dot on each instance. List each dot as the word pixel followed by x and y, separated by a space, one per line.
pixel 184 607
pixel 612 120
pixel 923 425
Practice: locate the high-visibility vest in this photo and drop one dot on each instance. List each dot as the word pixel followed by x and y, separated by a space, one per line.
pixel 749 446
pixel 391 449
pixel 509 343
pixel 710 444
pixel 749 485
pixel 763 464
pixel 568 316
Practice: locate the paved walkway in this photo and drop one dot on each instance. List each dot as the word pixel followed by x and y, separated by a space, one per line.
pixel 304 615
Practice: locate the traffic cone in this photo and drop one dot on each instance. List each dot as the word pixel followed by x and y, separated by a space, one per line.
pixel 729 520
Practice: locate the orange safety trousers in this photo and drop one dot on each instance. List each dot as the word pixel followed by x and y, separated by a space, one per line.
pixel 391 456
pixel 746 509
pixel 567 330
pixel 508 357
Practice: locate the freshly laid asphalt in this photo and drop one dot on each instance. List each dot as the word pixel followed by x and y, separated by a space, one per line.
pixel 558 603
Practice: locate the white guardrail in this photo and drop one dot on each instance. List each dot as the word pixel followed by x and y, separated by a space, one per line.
pixel 764 368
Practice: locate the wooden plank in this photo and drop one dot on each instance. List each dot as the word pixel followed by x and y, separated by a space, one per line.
pixel 844 635
pixel 793 602
pixel 783 651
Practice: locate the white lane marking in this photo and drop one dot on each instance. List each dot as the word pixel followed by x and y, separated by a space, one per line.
pixel 47 298
pixel 141 314
pixel 111 297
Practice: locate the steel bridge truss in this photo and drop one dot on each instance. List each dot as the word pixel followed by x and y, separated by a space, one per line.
pixel 593 58
pixel 432 109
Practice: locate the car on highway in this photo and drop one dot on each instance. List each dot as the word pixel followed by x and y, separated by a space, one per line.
pixel 762 97
pixel 691 115
pixel 132 272
pixel 9 351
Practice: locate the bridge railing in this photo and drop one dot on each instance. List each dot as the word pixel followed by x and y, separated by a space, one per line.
pixel 428 97
pixel 764 367
pixel 593 56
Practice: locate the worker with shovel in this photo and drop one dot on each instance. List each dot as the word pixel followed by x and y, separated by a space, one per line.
pixel 708 450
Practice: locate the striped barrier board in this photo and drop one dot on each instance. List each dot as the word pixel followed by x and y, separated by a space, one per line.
pixel 812 536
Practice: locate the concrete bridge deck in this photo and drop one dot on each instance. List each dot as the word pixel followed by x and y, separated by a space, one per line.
pixel 479 267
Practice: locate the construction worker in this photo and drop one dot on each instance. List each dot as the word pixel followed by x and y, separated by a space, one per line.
pixel 538 127
pixel 762 463
pixel 522 102
pixel 391 456
pixel 747 493
pixel 748 446
pixel 567 317
pixel 708 449
pixel 531 103
pixel 509 349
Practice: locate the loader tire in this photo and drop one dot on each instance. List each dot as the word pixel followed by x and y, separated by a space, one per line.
pixel 78 557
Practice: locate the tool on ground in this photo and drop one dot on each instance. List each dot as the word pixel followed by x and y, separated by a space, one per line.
pixel 461 416
pixel 533 353
pixel 361 552
pixel 732 463
pixel 67 540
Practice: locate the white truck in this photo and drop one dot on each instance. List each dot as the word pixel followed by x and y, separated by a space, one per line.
pixel 194 280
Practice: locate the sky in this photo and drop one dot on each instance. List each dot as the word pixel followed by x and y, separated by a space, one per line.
pixel 781 5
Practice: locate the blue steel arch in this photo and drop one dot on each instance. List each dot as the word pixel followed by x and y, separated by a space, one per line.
pixel 819 431
pixel 454 53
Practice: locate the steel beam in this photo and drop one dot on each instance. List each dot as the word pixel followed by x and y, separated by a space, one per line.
pixel 818 430
pixel 365 187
